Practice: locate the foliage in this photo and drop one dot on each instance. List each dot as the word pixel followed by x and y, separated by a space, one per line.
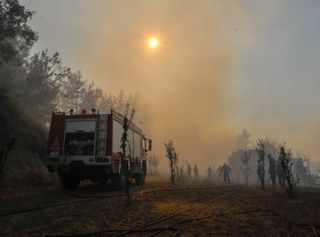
pixel 15 35
pixel 15 123
pixel 173 160
pixel 271 146
pixel 286 162
pixel 91 96
pixel 261 150
pixel 125 164
pixel 45 74
pixel 245 159
pixel 301 168
pixel 27 171
pixel 72 92
pixel 126 124
pixel 32 86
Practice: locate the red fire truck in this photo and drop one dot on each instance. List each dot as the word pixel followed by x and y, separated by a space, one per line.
pixel 87 146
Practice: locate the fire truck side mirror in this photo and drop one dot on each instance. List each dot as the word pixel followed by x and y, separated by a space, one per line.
pixel 150 145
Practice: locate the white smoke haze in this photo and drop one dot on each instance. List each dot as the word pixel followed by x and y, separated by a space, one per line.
pixel 185 79
pixel 222 66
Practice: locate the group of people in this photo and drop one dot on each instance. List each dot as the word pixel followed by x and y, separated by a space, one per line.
pixel 195 171
pixel 275 171
pixel 223 172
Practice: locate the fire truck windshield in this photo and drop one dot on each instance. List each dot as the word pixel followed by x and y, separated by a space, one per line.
pixel 79 143
pixel 79 137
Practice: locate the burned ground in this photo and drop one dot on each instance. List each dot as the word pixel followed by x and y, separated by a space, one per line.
pixel 160 209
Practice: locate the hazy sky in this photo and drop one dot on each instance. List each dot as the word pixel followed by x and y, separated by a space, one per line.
pixel 222 66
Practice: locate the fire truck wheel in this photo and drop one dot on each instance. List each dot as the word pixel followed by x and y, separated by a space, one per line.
pixel 117 181
pixel 69 181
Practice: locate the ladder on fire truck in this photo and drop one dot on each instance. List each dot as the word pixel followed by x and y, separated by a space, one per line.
pixel 102 135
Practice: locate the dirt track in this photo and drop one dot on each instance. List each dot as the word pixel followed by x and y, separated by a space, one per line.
pixel 159 209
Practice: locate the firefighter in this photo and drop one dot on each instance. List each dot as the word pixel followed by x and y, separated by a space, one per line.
pixel 209 173
pixel 226 170
pixel 196 171
pixel 189 171
pixel 272 169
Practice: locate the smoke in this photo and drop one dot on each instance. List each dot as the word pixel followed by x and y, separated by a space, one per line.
pixel 222 66
pixel 184 81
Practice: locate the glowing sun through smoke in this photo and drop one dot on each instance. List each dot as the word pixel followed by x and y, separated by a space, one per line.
pixel 153 42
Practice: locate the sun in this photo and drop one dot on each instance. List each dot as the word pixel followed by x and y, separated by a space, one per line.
pixel 153 42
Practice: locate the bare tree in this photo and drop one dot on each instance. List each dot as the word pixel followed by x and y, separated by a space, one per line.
pixel 125 167
pixel 271 147
pixel 173 159
pixel 245 158
pixel 286 162
pixel 261 150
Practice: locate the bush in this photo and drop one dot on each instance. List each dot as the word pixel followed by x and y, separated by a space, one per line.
pixel 15 124
pixel 26 169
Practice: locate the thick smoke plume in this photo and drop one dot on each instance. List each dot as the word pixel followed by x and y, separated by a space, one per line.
pixel 184 81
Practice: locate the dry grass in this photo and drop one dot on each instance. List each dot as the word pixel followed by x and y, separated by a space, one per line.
pixel 25 174
pixel 246 212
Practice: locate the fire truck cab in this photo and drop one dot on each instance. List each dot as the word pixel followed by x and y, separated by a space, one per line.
pixel 87 146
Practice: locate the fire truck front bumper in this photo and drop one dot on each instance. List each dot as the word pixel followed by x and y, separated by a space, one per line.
pixel 54 163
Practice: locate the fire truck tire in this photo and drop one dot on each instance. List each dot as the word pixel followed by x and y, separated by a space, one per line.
pixel 69 181
pixel 117 181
